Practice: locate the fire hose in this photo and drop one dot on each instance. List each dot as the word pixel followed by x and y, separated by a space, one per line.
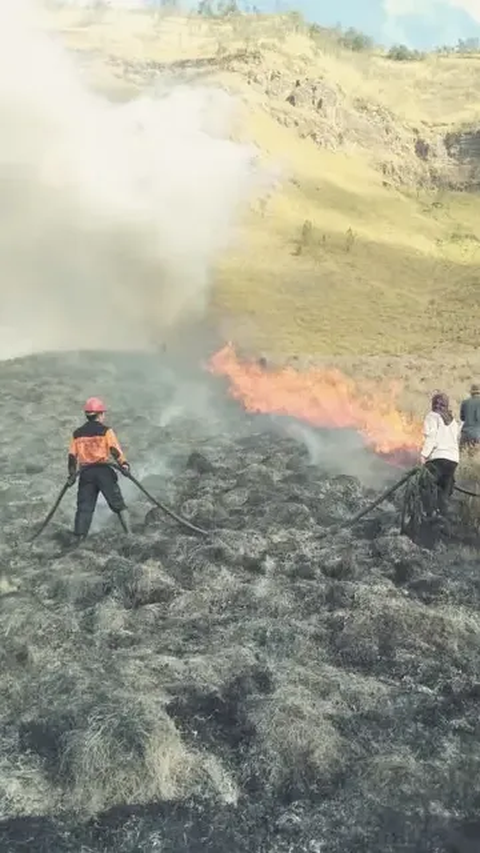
pixel 166 509
pixel 388 493
pixel 161 506
pixel 209 533
pixel 52 512
pixel 383 497
pixel 466 492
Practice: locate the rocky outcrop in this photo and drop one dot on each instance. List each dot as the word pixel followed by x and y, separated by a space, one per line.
pixel 464 145
pixel 319 109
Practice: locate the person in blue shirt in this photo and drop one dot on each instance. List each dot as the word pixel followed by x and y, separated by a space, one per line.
pixel 470 417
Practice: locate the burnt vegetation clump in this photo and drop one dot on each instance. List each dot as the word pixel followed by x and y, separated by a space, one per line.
pixel 266 690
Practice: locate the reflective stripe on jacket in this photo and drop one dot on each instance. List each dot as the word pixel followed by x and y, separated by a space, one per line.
pixel 95 444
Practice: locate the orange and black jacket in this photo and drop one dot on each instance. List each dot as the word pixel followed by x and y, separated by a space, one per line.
pixel 93 444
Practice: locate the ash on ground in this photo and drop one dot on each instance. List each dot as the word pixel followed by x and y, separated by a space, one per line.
pixel 267 690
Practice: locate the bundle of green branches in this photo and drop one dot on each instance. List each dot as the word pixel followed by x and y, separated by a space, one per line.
pixel 420 503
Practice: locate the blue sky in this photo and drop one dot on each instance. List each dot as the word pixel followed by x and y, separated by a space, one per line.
pixel 423 24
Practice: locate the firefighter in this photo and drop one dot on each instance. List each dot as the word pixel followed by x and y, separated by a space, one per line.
pixel 91 450
pixel 470 417
pixel 440 452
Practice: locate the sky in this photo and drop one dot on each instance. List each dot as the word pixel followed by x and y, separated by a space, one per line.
pixel 422 24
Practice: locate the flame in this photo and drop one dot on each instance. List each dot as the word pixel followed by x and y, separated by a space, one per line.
pixel 323 398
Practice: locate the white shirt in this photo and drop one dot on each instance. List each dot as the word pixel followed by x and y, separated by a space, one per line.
pixel 440 441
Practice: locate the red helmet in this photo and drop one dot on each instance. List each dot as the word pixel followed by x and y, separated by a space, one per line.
pixel 94 406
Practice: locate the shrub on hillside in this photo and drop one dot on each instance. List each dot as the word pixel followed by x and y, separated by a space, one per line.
pixel 468 45
pixel 295 20
pixel 220 9
pixel 355 40
pixel 402 53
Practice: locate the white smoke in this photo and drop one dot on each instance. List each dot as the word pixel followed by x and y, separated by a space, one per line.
pixel 400 8
pixel 112 214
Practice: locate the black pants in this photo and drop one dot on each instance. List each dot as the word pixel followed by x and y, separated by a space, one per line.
pixel 92 481
pixel 443 471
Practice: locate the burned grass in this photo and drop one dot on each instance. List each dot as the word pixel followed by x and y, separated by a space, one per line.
pixel 270 691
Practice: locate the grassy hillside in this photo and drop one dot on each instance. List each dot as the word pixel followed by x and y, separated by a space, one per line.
pixel 355 253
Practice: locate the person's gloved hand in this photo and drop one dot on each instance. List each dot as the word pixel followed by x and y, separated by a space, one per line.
pixel 71 480
pixel 125 468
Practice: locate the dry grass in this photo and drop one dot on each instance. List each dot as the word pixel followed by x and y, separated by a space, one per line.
pixel 318 685
pixel 468 477
pixel 416 377
pixel 440 89
pixel 298 744
pixel 126 753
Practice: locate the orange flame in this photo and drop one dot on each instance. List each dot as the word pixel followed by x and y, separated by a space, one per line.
pixel 321 397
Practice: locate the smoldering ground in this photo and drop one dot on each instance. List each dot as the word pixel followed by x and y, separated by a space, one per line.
pixel 112 213
pixel 284 693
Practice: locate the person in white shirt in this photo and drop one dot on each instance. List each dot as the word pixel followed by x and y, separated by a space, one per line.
pixel 440 452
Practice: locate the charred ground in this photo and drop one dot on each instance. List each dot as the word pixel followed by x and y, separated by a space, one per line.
pixel 269 691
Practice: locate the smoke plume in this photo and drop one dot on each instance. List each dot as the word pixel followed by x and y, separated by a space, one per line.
pixel 112 214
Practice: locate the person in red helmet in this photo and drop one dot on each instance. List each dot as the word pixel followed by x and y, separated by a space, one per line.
pixel 92 448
